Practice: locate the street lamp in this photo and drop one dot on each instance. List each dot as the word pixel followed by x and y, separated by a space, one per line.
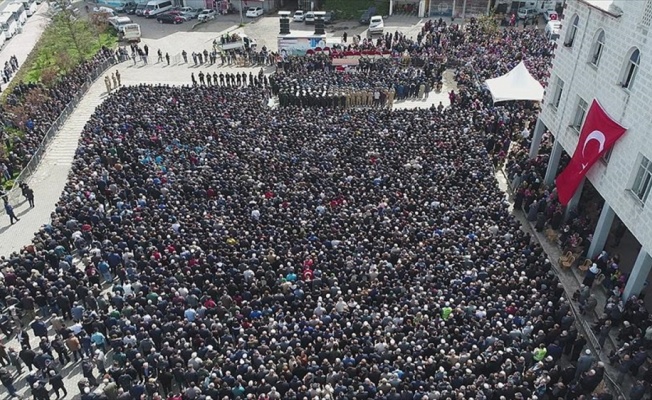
pixel 241 19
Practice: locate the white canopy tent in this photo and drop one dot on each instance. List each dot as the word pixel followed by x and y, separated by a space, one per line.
pixel 517 84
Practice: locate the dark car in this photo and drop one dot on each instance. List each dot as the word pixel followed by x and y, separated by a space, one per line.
pixel 364 20
pixel 168 18
pixel 329 17
pixel 130 8
pixel 121 8
pixel 140 9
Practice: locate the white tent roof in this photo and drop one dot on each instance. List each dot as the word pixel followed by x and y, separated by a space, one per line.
pixel 517 84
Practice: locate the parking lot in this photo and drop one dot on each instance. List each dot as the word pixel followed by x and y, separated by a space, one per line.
pixel 263 28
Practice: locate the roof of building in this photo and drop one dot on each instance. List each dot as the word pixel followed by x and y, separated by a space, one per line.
pixel 606 6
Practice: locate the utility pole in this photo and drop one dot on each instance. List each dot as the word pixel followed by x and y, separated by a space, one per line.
pixel 241 19
pixel 463 12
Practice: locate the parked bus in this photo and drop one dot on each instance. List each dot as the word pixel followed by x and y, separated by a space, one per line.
pixel 29 5
pixel 20 15
pixel 115 4
pixel 156 7
pixel 8 24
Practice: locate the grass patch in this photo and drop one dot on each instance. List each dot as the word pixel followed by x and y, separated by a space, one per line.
pixel 64 44
pixel 47 58
pixel 353 9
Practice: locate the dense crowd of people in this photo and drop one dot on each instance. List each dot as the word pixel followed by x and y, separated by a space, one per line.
pixel 296 252
pixel 32 108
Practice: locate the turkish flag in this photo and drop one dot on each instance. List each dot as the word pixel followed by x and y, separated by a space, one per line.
pixel 598 135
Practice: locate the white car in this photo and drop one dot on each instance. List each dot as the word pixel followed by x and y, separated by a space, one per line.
pixel 253 12
pixel 298 16
pixel 376 24
pixel 551 15
pixel 206 15
pixel 189 13
pixel 527 13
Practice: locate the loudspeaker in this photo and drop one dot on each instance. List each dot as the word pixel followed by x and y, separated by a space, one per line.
pixel 285 26
pixel 319 26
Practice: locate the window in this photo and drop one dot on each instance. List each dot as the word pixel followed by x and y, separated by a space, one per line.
pixel 643 181
pixel 596 51
pixel 572 31
pixel 606 156
pixel 556 95
pixel 580 113
pixel 631 68
pixel 646 18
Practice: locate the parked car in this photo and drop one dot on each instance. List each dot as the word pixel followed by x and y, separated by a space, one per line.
pixel 376 24
pixel 130 8
pixel 105 10
pixel 298 16
pixel 179 14
pixel 329 17
pixel 366 16
pixel 167 18
pixel 206 15
pixel 121 7
pixel 140 9
pixel 527 13
pixel 551 15
pixel 309 18
pixel 189 12
pixel 253 12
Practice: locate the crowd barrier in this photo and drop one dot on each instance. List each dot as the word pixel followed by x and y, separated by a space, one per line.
pixel 14 194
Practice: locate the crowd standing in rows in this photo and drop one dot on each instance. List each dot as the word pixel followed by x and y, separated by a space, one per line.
pixel 297 253
pixel 32 108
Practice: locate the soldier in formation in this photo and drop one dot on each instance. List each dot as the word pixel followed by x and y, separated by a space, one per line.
pixel 336 97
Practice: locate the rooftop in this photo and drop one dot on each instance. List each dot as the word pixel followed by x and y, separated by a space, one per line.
pixel 602 5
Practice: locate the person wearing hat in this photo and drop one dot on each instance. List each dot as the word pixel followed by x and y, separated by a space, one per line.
pixel 584 363
pixel 590 275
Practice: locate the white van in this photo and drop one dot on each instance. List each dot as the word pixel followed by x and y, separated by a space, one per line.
pixel 156 7
pixel 19 12
pixel 552 30
pixel 29 5
pixel 130 33
pixel 119 22
pixel 8 24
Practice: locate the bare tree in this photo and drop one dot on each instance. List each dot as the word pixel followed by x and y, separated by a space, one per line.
pixel 72 33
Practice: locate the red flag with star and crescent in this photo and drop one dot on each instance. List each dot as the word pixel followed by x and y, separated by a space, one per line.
pixel 598 135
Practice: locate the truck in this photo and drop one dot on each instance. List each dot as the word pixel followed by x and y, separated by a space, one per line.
pixel 236 41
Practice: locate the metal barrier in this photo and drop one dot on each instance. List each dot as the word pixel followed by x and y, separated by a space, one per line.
pixel 14 193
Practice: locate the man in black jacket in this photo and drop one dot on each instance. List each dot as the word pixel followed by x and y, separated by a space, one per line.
pixel 56 381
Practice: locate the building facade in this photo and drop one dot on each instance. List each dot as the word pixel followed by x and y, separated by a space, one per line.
pixel 604 52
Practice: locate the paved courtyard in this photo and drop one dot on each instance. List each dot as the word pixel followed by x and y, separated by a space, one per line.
pixel 51 175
